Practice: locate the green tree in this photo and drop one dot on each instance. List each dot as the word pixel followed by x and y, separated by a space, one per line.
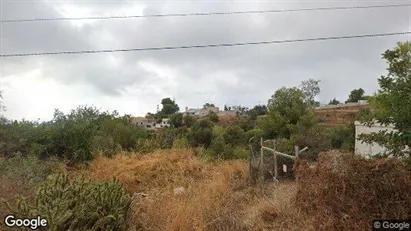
pixel 176 120
pixel 310 89
pixel 356 95
pixel 391 104
pixel 235 135
pixel 208 105
pixel 286 109
pixel 256 111
pixel 201 133
pixel 188 121
pixel 334 102
pixel 169 107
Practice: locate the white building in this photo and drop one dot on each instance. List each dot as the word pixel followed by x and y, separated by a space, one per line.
pixel 150 124
pixel 369 149
pixel 164 123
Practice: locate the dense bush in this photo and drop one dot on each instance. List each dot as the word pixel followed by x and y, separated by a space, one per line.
pixel 75 137
pixel 235 135
pixel 201 133
pixel 343 137
pixel 27 170
pixel 69 204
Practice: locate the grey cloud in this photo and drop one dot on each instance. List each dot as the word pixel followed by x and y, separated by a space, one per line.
pixel 341 65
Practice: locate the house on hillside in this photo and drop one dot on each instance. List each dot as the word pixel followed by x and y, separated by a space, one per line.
pixel 200 112
pixel 150 124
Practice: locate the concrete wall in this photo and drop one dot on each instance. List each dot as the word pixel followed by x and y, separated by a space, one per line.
pixel 369 149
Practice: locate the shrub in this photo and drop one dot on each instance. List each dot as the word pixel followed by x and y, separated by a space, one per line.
pixel 343 137
pixel 181 143
pixel 235 136
pixel 78 204
pixel 218 146
pixel 213 117
pixel 26 170
pixel 201 133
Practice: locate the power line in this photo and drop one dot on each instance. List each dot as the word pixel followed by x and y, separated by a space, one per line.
pixel 203 14
pixel 204 46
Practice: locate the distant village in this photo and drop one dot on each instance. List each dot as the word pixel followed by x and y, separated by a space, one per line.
pixel 329 114
pixel 152 124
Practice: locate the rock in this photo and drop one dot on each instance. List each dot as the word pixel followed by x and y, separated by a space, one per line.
pixel 179 191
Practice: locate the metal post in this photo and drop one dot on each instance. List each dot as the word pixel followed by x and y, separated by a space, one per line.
pixel 297 151
pixel 275 162
pixel 261 163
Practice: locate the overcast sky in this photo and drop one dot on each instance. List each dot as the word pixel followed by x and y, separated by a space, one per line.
pixel 135 82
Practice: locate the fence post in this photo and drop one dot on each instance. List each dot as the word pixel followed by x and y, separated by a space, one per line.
pixel 275 161
pixel 261 163
pixel 249 162
pixel 297 151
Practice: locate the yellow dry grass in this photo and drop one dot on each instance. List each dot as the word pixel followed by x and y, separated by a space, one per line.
pixel 217 196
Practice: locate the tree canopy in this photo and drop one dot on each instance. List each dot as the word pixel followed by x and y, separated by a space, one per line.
pixel 286 110
pixel 334 102
pixel 391 104
pixel 310 89
pixel 208 105
pixel 169 107
pixel 356 95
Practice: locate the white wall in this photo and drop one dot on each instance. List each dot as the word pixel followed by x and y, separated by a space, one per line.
pixel 369 149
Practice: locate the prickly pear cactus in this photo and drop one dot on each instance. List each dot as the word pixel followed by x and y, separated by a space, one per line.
pixel 78 204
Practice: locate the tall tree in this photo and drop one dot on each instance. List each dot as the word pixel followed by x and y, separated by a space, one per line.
pixel 334 102
pixel 169 107
pixel 391 103
pixel 286 110
pixel 356 95
pixel 310 89
pixel 257 110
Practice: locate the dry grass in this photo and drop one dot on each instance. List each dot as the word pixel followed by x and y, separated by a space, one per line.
pixel 216 197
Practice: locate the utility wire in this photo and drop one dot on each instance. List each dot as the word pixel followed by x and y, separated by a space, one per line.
pixel 204 14
pixel 204 46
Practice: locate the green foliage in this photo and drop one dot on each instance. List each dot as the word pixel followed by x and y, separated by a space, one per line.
pixel 78 204
pixel 201 133
pixel 310 89
pixel 208 105
pixel 334 102
pixel 342 137
pixel 392 102
pixel 287 108
pixel 75 137
pixel 235 136
pixel 169 107
pixel 258 110
pixel 218 146
pixel 218 131
pixel 245 123
pixel 356 95
pixel 189 121
pixel 181 143
pixel 213 117
pixel 27 170
pixel 176 120
pixel 315 138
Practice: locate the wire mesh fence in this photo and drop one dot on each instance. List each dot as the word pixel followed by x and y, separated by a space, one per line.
pixel 266 163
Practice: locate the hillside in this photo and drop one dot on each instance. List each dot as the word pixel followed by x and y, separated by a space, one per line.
pixel 338 114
